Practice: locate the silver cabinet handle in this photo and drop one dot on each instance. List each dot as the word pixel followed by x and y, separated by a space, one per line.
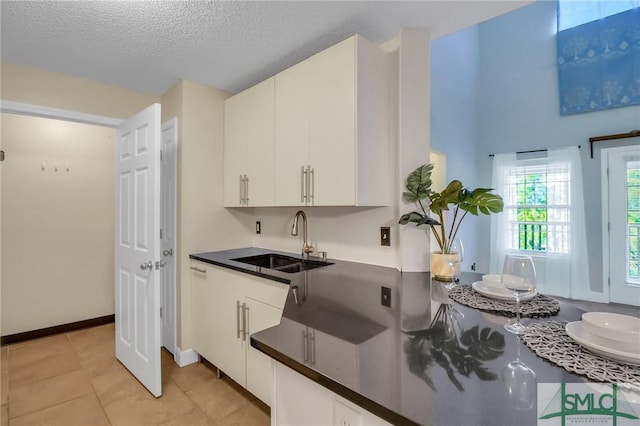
pixel 146 265
pixel 306 185
pixel 303 181
pixel 168 252
pixel 312 185
pixel 246 322
pixel 241 190
pixel 195 268
pixel 246 190
pixel 305 347
pixel 238 330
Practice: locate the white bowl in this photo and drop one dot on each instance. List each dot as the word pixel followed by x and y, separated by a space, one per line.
pixel 492 280
pixel 622 328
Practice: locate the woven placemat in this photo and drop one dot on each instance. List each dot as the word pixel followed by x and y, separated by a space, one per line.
pixel 539 307
pixel 549 340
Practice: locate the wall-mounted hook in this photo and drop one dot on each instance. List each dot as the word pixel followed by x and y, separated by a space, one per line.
pixel 43 166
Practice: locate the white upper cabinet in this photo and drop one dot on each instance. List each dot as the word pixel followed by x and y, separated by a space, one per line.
pixel 331 138
pixel 249 147
pixel 332 128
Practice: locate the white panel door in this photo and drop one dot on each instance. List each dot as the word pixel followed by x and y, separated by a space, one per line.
pixel 622 212
pixel 168 235
pixel 137 247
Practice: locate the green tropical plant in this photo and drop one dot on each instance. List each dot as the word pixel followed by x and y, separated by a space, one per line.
pixel 418 191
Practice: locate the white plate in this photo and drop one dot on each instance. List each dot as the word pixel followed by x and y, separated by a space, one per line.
pixel 623 328
pixel 621 352
pixel 500 293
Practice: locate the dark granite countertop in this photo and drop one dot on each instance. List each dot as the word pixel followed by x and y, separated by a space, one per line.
pixel 396 361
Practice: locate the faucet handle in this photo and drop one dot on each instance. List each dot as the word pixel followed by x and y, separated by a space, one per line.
pixel 308 248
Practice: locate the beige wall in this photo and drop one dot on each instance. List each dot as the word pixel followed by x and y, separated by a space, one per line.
pixel 20 83
pixel 203 223
pixel 57 266
pixel 57 226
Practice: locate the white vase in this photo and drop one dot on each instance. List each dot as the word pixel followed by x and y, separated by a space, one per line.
pixel 441 265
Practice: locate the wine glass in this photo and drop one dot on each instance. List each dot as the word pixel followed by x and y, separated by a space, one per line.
pixel 519 276
pixel 456 255
pixel 520 383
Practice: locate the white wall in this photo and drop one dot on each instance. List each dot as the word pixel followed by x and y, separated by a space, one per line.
pixel 57 226
pixel 497 85
pixel 454 130
pixel 203 224
pixel 518 109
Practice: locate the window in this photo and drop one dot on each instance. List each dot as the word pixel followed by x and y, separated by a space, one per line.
pixel 543 217
pixel 537 205
pixel 572 13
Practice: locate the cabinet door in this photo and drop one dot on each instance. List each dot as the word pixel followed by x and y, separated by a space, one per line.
pixel 228 351
pixel 292 134
pixel 332 131
pixel 259 373
pixel 249 145
pixel 235 146
pixel 201 295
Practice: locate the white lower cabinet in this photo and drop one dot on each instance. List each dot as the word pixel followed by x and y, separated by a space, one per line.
pixel 300 401
pixel 226 307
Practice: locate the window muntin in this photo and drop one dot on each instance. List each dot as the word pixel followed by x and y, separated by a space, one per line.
pixel 537 203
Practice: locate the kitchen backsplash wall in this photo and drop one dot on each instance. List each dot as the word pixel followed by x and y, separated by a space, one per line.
pixel 345 233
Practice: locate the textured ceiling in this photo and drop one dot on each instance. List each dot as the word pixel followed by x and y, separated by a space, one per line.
pixel 148 45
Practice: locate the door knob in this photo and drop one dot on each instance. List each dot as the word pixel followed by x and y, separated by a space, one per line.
pixel 168 252
pixel 146 265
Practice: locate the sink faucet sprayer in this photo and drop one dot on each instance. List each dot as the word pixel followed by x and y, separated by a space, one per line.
pixel 306 247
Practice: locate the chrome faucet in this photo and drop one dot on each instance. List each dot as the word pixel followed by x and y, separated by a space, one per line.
pixel 306 247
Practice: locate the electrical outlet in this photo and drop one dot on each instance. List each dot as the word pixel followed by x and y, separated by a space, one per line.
pixel 385 236
pixel 258 227
pixel 385 296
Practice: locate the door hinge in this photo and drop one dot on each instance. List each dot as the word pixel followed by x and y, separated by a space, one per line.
pixel 160 233
pixel 608 226
pixel 161 156
pixel 609 281
pixel 607 172
pixel 160 311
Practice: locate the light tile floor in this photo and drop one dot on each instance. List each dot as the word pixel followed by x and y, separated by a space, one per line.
pixel 74 379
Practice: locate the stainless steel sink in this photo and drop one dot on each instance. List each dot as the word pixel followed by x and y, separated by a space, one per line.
pixel 279 262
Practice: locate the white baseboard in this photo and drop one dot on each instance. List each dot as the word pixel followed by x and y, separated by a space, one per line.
pixel 184 358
